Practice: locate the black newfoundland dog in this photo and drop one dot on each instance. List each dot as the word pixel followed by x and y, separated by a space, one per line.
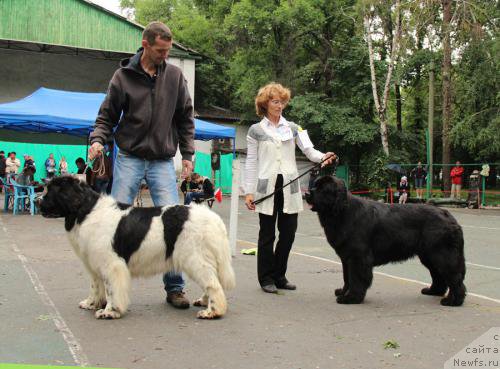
pixel 365 233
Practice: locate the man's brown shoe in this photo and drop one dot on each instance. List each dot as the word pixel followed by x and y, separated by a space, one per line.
pixel 177 300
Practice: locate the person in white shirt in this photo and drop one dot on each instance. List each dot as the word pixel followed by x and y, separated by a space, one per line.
pixel 12 164
pixel 270 164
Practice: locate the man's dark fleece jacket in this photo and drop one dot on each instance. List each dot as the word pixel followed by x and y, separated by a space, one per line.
pixel 154 114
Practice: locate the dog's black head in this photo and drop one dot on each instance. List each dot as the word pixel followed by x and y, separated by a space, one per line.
pixel 67 197
pixel 328 195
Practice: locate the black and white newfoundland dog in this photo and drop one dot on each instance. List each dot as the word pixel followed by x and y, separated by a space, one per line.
pixel 366 233
pixel 117 242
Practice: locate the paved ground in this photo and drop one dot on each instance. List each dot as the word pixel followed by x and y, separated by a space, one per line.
pixel 42 281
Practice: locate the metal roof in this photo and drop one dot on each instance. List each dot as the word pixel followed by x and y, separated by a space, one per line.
pixel 74 24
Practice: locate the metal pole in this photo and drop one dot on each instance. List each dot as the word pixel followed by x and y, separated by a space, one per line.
pixel 429 173
pixel 233 215
pixel 483 195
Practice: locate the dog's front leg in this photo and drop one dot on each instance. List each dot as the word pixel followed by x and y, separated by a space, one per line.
pixel 97 297
pixel 345 272
pixel 360 275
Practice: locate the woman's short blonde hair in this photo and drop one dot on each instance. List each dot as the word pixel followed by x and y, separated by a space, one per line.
pixel 270 91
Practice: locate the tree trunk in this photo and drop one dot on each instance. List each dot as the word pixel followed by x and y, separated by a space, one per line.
pixel 446 75
pixel 418 104
pixel 397 91
pixel 430 175
pixel 381 103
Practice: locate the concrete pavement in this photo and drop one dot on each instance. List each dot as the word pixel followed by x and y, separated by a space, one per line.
pixel 42 282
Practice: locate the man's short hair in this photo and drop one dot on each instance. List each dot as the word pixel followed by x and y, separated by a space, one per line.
pixel 155 29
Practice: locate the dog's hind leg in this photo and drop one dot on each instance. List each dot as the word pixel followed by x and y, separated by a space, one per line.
pixel 457 292
pixel 455 280
pixel 438 286
pixel 116 279
pixel 205 275
pixel 345 272
pixel 360 279
pixel 97 295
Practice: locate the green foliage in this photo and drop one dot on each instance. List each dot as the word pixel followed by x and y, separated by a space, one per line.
pixel 377 172
pixel 477 119
pixel 317 49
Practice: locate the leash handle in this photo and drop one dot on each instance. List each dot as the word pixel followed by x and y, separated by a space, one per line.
pixel 101 167
pixel 258 201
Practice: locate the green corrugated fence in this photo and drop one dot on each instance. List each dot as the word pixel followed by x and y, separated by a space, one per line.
pixel 40 153
pixel 223 177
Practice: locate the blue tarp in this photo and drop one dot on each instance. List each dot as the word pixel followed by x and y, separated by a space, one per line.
pixel 74 113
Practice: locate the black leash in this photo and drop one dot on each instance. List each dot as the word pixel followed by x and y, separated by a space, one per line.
pixel 336 162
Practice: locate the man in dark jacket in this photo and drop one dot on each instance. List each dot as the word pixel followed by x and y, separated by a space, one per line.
pixel 149 104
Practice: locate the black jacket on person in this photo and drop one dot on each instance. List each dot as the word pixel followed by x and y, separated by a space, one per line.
pixel 208 188
pixel 154 115
pixel 3 166
pixel 404 188
pixel 192 186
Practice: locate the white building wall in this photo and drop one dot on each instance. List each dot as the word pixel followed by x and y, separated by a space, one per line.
pixel 188 69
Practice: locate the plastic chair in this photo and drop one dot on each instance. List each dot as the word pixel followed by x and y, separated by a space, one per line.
pixel 9 193
pixel 21 194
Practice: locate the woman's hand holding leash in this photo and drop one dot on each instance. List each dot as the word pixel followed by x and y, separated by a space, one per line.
pixel 329 158
pixel 249 202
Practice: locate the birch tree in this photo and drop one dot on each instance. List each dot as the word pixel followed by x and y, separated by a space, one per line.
pixel 381 101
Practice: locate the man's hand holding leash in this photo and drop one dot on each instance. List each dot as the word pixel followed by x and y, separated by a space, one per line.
pixel 94 150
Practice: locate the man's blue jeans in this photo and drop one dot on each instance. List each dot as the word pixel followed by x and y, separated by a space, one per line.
pixel 160 176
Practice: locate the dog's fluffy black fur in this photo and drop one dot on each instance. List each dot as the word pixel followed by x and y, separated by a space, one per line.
pixel 365 233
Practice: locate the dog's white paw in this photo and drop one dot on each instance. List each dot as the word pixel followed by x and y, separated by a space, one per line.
pixel 87 305
pixel 208 314
pixel 201 302
pixel 107 314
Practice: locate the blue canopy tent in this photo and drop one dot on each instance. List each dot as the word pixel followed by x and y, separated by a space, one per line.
pixel 74 113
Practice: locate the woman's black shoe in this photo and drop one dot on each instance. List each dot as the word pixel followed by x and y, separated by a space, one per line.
pixel 270 288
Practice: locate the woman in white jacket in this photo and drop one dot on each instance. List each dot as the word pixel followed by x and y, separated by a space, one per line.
pixel 271 163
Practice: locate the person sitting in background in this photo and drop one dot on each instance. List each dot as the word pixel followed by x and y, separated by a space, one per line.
pixel 26 178
pixel 50 166
pixel 404 189
pixel 80 165
pixel 63 166
pixel 206 191
pixel 188 185
pixel 12 164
